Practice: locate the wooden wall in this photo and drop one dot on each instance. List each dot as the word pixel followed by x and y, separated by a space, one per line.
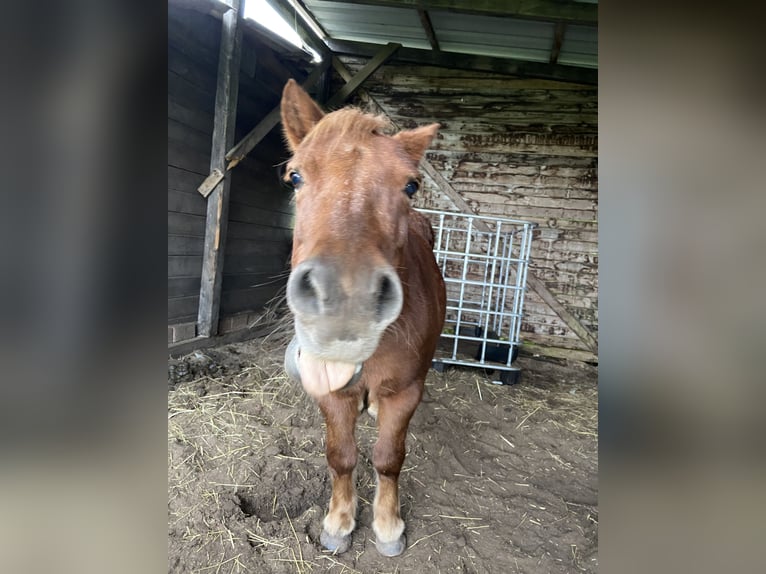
pixel 260 213
pixel 524 149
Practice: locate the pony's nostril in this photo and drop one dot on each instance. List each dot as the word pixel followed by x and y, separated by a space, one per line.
pixel 305 286
pixel 388 299
pixel 302 291
pixel 384 295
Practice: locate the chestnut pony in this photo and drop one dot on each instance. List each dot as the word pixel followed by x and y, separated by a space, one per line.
pixel 366 295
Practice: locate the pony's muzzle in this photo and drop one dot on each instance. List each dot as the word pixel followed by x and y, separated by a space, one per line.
pixel 344 303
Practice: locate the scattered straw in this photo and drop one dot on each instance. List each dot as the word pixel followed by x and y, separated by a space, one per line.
pixel 299 565
pixel 419 540
pixel 527 417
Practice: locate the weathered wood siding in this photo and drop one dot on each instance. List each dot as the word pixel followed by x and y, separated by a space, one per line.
pixel 524 149
pixel 260 211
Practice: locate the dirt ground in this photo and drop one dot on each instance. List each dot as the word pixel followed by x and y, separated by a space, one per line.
pixel 497 478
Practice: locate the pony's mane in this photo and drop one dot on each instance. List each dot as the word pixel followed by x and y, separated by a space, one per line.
pixel 352 124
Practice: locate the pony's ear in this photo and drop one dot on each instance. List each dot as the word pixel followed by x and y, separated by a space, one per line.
pixel 416 142
pixel 299 113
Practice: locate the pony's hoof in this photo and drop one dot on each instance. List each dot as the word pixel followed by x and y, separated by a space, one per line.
pixel 393 548
pixel 335 544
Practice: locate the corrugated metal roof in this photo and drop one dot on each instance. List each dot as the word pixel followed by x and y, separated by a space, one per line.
pixel 467 28
pixel 580 46
pixel 375 24
pixel 493 36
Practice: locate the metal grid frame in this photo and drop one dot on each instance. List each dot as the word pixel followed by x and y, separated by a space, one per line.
pixel 485 273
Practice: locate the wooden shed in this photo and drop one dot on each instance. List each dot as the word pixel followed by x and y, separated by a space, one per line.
pixel 513 85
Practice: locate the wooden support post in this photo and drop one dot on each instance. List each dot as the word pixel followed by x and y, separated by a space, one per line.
pixel 536 284
pixel 225 114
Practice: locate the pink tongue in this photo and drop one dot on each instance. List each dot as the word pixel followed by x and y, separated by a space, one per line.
pixel 320 377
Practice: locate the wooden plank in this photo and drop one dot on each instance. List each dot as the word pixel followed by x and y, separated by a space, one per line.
pixel 183 287
pixel 193 69
pixel 186 224
pixel 381 57
pixel 190 137
pixel 185 157
pixel 227 88
pixel 251 214
pixel 245 246
pixel 260 188
pixel 536 284
pixel 406 77
pixel 185 245
pixel 247 299
pixel 272 279
pixel 181 202
pixel 274 256
pixel 530 349
pixel 183 181
pixel 239 230
pixel 507 66
pixel 197 39
pixel 190 95
pixel 425 21
pixel 181 309
pixel 553 10
pixel 194 118
pixel 184 347
pixel 184 265
pixel 207 186
pixel 247 143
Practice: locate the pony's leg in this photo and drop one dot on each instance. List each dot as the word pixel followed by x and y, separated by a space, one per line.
pixel 340 412
pixel 394 413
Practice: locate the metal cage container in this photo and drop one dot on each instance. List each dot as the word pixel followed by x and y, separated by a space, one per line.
pixel 484 261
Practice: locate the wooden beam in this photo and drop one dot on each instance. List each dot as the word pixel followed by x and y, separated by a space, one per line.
pixel 380 58
pixel 185 347
pixel 558 39
pixel 553 10
pixel 507 66
pixel 425 21
pixel 238 152
pixel 462 205
pixel 225 114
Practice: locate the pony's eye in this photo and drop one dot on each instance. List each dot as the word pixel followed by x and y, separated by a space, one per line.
pixel 411 188
pixel 296 179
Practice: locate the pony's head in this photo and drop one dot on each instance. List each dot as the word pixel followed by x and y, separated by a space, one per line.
pixel 353 186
